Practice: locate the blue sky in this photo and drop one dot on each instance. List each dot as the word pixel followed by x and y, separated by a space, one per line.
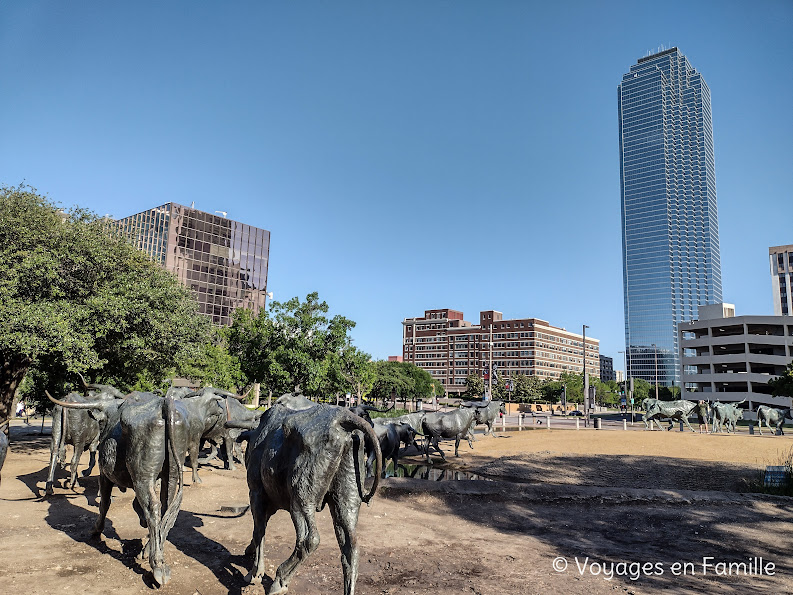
pixel 404 155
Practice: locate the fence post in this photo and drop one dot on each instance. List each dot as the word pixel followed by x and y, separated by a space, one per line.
pixel 577 423
pixel 520 422
pixel 624 424
pixel 548 421
pixel 504 423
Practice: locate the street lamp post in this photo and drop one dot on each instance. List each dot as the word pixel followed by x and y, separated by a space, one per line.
pixel 586 378
pixel 490 367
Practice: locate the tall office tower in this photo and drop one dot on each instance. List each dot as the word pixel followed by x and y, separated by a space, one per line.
pixel 223 262
pixel 670 229
pixel 781 258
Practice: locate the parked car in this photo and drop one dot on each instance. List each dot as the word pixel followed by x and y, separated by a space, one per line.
pixel 575 412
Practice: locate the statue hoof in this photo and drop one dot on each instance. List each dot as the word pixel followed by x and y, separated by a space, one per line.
pixel 162 574
pixel 49 491
pixel 252 579
pixel 277 588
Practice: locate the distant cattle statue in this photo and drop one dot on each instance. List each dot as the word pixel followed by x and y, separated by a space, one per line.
pixel 725 415
pixel 772 417
pixel 142 446
pixel 488 414
pixel 452 425
pixel 671 410
pixel 299 461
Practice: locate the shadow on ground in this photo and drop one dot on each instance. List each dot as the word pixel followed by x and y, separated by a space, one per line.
pixel 563 500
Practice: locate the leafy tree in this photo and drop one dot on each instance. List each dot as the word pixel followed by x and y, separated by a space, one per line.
pixel 74 298
pixel 606 393
pixel 527 388
pixel 668 393
pixel 213 365
pixel 500 392
pixel 349 371
pixel 783 385
pixel 390 381
pixel 290 345
pixel 474 386
pixel 641 390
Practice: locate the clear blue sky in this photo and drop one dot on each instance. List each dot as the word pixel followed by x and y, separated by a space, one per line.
pixel 404 155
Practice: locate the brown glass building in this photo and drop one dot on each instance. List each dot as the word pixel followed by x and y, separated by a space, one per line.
pixel 450 348
pixel 223 262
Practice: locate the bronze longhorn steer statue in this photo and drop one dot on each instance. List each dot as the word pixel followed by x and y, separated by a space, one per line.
pixel 300 461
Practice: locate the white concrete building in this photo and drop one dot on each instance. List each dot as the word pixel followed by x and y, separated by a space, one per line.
pixel 781 260
pixel 731 358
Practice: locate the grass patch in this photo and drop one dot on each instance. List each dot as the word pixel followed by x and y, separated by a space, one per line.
pixel 391 413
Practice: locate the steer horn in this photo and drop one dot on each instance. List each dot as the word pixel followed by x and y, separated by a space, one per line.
pixel 98 404
pixel 4 424
pixel 101 387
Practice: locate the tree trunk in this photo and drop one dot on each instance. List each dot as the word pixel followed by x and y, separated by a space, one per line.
pixel 13 370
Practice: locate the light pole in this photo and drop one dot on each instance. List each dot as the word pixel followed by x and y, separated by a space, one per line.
pixel 490 367
pixel 586 378
pixel 655 353
pixel 628 392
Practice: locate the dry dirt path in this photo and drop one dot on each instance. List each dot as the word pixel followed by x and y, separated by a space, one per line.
pixel 610 497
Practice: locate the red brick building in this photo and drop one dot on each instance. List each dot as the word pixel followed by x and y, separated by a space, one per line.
pixel 450 348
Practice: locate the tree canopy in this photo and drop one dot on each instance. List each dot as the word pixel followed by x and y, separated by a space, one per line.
pixel 783 385
pixel 295 344
pixel 74 298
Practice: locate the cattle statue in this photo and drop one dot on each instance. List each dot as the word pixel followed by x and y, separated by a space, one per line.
pixel 363 411
pixel 725 415
pixel 227 437
pixel 450 425
pixel 671 410
pixel 3 443
pixel 142 445
pixel 772 417
pixel 78 428
pixel 391 437
pixel 488 414
pixel 295 401
pixel 299 461
pixel 204 414
pixel 648 404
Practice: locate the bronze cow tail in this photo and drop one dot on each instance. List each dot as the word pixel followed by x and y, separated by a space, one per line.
pixel 350 423
pixel 174 467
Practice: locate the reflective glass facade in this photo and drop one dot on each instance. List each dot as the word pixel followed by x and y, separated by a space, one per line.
pixel 223 262
pixel 670 230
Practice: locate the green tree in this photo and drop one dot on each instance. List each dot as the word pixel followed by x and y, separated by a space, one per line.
pixel 213 365
pixel 783 385
pixel 641 390
pixel 390 381
pixel 74 298
pixel 350 370
pixel 527 388
pixel 290 345
pixel 474 386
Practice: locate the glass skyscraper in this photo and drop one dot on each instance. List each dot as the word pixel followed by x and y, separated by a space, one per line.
pixel 223 262
pixel 670 229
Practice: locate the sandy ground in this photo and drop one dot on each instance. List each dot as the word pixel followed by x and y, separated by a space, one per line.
pixel 602 497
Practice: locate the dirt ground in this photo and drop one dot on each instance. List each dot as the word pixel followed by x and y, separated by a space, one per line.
pixel 588 499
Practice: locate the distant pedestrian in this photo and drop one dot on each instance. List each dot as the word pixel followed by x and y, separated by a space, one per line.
pixel 702 416
pixel 20 409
